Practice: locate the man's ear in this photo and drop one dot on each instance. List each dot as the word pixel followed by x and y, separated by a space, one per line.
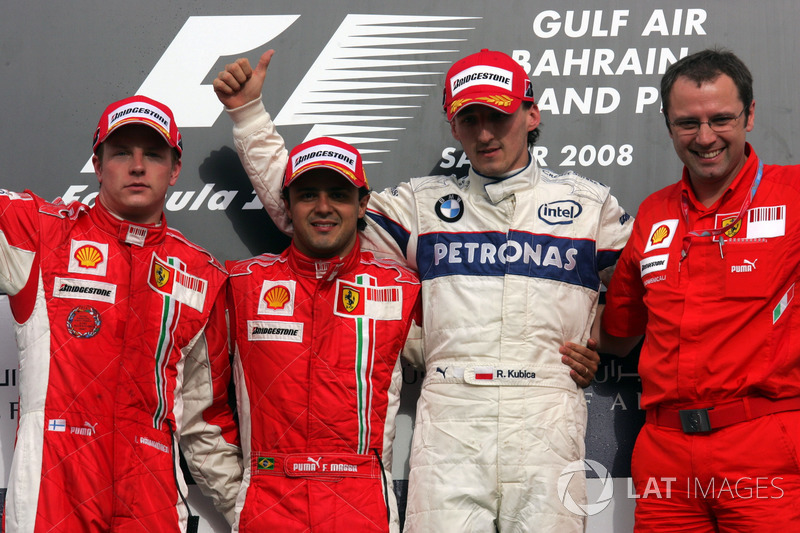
pixel 533 117
pixel 176 171
pixel 98 168
pixel 286 208
pixel 362 205
pixel 453 129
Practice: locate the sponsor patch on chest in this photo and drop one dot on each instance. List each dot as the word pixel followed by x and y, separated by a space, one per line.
pixel 654 263
pixel 170 280
pixel 84 322
pixel 273 330
pixel 277 298
pixel 83 289
pixel 758 223
pixel 364 299
pixel 661 235
pixel 88 257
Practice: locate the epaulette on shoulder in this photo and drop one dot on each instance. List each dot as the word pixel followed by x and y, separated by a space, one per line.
pixel 244 266
pixel 59 209
pixel 405 274
pixel 437 182
pixel 180 237
pixel 570 176
pixel 23 196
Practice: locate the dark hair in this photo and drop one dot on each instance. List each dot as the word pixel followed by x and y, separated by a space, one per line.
pixel 533 135
pixel 361 225
pixel 708 65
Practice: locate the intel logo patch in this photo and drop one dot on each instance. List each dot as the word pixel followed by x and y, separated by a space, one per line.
pixel 560 212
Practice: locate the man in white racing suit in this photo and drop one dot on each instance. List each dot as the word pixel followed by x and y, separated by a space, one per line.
pixel 511 260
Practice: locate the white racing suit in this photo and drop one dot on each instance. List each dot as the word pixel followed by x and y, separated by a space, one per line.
pixel 511 269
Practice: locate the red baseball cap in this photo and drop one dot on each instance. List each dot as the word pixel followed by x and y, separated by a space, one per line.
pixel 488 78
pixel 326 152
pixel 139 110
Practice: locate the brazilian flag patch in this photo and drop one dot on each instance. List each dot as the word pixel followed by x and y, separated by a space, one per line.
pixel 266 463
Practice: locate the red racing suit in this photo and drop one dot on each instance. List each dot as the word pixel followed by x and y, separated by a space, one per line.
pixel 317 380
pixel 123 356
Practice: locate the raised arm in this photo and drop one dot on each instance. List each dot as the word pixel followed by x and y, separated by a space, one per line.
pixel 239 84
pixel 261 149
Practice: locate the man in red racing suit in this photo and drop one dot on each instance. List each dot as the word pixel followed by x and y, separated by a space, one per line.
pixel 122 350
pixel 317 336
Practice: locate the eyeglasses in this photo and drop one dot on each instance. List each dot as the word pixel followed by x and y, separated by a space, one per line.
pixel 718 124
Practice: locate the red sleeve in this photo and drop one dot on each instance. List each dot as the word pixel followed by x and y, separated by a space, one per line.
pixel 625 313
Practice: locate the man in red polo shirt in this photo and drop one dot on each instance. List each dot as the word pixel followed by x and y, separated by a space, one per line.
pixel 708 276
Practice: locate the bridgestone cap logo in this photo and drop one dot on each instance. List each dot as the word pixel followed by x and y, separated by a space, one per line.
pixel 481 75
pixel 138 110
pixel 324 153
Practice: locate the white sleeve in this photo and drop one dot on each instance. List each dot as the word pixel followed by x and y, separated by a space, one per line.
pixel 263 154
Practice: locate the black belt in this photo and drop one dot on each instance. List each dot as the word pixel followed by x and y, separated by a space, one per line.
pixel 719 416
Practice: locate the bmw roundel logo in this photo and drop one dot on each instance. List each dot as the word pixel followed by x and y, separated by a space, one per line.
pixel 450 208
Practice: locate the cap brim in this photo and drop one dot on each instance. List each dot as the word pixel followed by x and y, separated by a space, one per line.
pixel 132 122
pixel 345 173
pixel 503 103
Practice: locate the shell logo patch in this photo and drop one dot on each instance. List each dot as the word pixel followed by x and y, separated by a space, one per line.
pixel 661 234
pixel 277 297
pixel 88 256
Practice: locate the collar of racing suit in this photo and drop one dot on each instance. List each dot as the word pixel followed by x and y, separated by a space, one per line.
pixel 325 269
pixel 498 189
pixel 128 232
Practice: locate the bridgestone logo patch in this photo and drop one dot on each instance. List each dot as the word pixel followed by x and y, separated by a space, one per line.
pixel 481 75
pixel 324 153
pixel 654 263
pixel 81 289
pixel 138 109
pixel 273 330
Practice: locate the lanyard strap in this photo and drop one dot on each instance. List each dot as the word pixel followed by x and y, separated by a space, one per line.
pixel 719 231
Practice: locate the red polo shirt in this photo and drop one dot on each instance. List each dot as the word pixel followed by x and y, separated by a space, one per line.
pixel 722 322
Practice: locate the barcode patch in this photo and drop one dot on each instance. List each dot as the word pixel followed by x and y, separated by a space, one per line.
pixel 766 214
pixel 766 222
pixel 387 294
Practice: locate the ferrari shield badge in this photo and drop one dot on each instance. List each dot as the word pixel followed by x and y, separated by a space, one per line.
pixel 734 229
pixel 161 275
pixel 350 298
